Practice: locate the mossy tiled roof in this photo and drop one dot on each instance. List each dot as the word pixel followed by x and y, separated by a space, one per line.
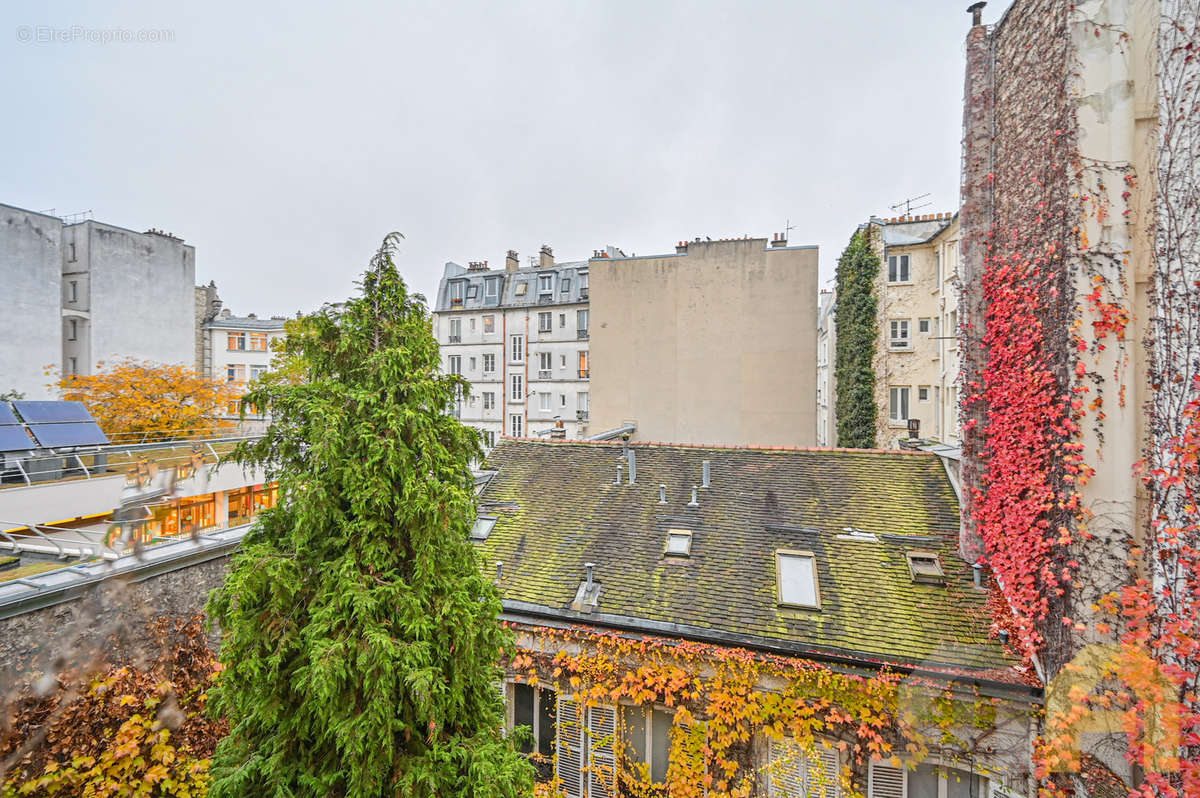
pixel 557 508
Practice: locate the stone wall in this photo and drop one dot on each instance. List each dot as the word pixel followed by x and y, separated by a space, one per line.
pixel 105 625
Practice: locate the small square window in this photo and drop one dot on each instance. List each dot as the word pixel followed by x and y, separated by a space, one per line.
pixel 483 527
pixel 797 575
pixel 679 543
pixel 923 393
pixel 925 566
pixel 923 325
pixel 521 289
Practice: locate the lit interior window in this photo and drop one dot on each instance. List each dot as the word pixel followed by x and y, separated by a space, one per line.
pixel 797 578
pixel 679 542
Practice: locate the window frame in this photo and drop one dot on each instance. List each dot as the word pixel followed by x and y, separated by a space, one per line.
pixel 648 741
pixel 894 393
pixel 516 385
pixel 516 424
pixel 489 400
pixel 486 369
pixel 545 321
pixel 816 578
pixel 516 347
pixel 899 269
pixel 241 340
pixel 900 343
pixel 545 284
pixel 489 324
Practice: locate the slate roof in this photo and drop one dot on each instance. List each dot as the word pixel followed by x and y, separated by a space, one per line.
pixel 557 508
pixel 506 296
pixel 246 323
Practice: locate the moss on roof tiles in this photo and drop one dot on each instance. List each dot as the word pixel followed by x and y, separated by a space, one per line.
pixel 569 512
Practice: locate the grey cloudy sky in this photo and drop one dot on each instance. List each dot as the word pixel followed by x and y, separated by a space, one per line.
pixel 284 140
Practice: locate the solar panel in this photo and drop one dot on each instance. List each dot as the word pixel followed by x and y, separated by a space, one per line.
pixel 6 415
pixel 79 433
pixel 15 439
pixel 52 412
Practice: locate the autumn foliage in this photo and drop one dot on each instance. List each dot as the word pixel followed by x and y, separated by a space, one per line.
pixel 138 400
pixel 128 731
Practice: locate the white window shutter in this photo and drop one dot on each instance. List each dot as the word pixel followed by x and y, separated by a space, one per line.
pixel 829 785
pixel 502 691
pixel 786 771
pixel 602 764
pixel 570 747
pixel 886 781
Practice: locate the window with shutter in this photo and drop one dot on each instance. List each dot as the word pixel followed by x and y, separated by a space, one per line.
pixel 885 781
pixel 570 748
pixel 602 764
pixel 795 774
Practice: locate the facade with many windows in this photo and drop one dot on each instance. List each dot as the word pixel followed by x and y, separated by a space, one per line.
pixel 521 337
pixel 237 349
pixel 678 630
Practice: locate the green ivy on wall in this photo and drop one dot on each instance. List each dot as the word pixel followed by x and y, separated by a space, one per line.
pixel 856 333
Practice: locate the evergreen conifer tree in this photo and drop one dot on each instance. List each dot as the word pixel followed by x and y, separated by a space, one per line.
pixel 360 639
pixel 857 331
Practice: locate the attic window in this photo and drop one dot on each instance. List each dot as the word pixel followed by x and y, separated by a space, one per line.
pixel 925 567
pixel 679 543
pixel 521 288
pixel 797 577
pixel 483 528
pixel 472 291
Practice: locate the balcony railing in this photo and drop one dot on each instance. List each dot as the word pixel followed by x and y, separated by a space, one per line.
pixel 583 374
pixel 583 293
pixel 581 335
pixel 581 415
pixel 454 339
pixel 545 374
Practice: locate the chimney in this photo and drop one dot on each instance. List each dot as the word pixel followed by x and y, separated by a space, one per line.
pixel 477 266
pixel 547 257
pixel 558 432
pixel 778 240
pixel 978 570
pixel 499 571
pixel 632 467
pixel 681 248
pixel 695 502
pixel 976 11
pixel 707 474
pixel 590 568
pixel 251 316
pixel 618 479
pixel 662 494
pixel 511 262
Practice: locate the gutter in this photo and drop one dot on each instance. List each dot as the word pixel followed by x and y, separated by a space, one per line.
pixel 525 612
pixel 612 434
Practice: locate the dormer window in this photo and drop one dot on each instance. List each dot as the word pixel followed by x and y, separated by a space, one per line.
pixel 545 284
pixel 679 543
pixel 797 577
pixel 491 288
pixel 566 284
pixel 456 292
pixel 925 567
pixel 472 292
pixel 521 288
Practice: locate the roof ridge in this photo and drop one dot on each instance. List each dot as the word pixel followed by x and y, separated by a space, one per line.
pixel 714 446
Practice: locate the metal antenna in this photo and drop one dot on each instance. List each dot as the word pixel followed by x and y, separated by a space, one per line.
pixel 788 227
pixel 909 205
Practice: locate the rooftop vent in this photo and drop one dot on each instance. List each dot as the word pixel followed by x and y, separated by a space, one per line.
pixel 478 266
pixel 587 598
pixel 854 533
pixel 679 543
pixel 925 567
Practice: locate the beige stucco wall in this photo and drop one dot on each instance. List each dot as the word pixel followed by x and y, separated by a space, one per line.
pixel 716 345
pixel 931 360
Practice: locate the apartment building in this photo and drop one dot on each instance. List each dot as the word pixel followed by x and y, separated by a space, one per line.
pixel 521 337
pixel 826 374
pixel 916 355
pixel 714 343
pixel 87 293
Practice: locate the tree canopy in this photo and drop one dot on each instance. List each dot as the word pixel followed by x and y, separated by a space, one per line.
pixel 136 399
pixel 361 641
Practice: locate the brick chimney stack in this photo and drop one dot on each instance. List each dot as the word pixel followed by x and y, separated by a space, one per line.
pixel 511 261
pixel 547 257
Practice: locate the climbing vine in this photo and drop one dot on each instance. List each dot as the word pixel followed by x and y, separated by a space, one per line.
pixel 854 370
pixel 722 698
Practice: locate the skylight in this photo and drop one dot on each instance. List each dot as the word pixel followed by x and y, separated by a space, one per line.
pixel 679 543
pixel 925 566
pixel 483 528
pixel 797 575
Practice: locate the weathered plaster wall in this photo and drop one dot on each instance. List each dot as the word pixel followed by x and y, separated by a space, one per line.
pixel 31 323
pixel 714 346
pixel 141 294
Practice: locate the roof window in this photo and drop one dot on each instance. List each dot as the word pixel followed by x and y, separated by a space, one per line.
pixel 925 567
pixel 522 287
pixel 679 543
pixel 797 577
pixel 483 528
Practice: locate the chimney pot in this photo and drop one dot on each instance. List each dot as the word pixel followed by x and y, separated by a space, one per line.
pixel 618 480
pixel 590 567
pixel 695 502
pixel 511 261
pixel 977 568
pixel 662 494
pixel 976 12
pixel 499 571
pixel 706 469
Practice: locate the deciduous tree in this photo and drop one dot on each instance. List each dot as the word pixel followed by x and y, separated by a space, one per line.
pixel 361 640
pixel 135 399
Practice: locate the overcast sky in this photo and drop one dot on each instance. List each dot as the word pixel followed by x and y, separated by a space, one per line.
pixel 284 140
